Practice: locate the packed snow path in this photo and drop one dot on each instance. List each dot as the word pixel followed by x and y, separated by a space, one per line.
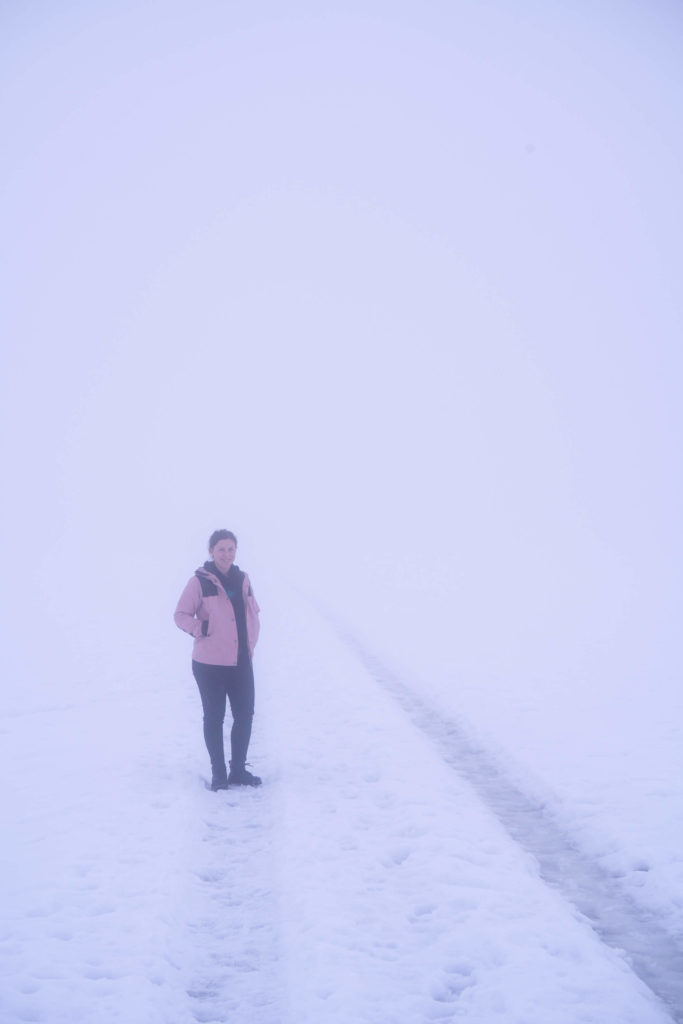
pixel 366 881
pixel 655 954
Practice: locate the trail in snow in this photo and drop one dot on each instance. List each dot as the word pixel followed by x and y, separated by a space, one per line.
pixel 403 897
pixel 656 956
pixel 130 894
pixel 232 926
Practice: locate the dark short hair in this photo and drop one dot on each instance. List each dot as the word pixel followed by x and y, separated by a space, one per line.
pixel 221 535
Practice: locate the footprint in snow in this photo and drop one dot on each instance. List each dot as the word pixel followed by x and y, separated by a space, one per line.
pixel 211 876
pixel 100 974
pixel 420 913
pixel 397 857
pixel 459 977
pixel 202 994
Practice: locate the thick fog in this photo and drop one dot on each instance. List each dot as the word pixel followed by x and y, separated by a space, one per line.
pixel 392 290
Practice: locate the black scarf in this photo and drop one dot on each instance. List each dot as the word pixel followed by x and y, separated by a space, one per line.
pixel 232 581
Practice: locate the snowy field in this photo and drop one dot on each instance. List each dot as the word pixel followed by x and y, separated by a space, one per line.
pixel 372 878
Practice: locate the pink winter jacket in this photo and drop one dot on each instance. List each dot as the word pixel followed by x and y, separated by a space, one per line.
pixel 204 601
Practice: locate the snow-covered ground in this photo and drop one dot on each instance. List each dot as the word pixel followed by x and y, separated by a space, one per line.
pixel 604 751
pixel 369 879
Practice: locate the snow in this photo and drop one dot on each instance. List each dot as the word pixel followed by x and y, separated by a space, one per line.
pixel 366 879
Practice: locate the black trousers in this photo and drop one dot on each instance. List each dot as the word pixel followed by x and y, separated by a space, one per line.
pixel 217 685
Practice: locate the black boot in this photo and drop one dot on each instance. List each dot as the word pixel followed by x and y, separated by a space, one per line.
pixel 219 779
pixel 239 776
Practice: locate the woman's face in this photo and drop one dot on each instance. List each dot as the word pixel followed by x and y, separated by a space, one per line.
pixel 223 554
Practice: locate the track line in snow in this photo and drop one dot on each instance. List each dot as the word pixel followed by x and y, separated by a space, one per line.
pixel 655 956
pixel 232 923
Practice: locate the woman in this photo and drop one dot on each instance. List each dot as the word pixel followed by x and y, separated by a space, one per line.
pixel 218 608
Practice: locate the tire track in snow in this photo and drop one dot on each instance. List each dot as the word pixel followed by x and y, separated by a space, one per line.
pixel 655 955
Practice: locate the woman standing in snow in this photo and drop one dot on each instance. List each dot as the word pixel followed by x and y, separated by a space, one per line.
pixel 218 608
